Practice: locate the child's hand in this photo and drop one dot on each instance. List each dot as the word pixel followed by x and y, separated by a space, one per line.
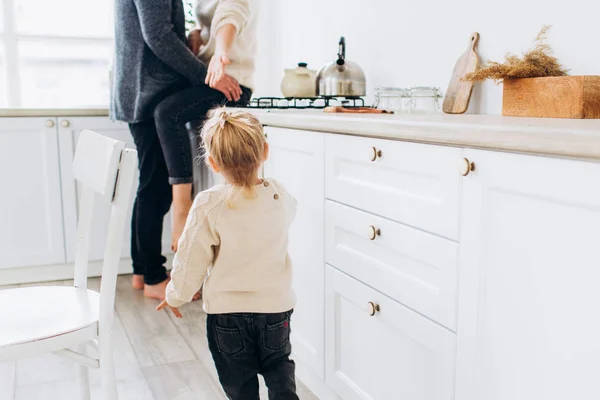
pixel 174 309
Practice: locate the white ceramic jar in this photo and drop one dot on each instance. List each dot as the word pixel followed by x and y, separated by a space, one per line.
pixel 299 82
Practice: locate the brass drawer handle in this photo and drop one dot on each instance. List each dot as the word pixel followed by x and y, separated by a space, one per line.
pixel 466 166
pixel 65 123
pixel 373 308
pixel 375 154
pixel 50 123
pixel 374 232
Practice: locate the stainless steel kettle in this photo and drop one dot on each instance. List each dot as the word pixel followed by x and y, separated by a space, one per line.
pixel 341 77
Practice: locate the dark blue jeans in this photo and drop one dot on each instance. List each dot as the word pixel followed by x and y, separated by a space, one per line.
pixel 165 156
pixel 244 345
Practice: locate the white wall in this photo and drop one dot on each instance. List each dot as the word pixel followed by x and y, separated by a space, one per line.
pixel 408 43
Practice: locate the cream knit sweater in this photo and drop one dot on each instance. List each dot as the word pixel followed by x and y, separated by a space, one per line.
pixel 212 15
pixel 237 247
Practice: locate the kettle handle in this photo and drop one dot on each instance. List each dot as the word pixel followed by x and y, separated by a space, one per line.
pixel 342 51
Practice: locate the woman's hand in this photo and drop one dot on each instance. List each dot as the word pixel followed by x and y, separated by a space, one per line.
pixel 216 68
pixel 195 41
pixel 229 87
pixel 164 304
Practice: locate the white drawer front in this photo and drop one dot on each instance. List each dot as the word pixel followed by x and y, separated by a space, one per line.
pixel 413 267
pixel 416 184
pixel 394 354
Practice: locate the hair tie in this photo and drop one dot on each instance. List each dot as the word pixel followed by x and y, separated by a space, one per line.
pixel 223 118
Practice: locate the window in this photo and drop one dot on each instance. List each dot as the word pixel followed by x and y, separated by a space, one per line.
pixel 55 53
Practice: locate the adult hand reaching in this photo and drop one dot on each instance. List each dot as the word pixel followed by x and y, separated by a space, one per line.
pixel 194 41
pixel 229 87
pixel 216 68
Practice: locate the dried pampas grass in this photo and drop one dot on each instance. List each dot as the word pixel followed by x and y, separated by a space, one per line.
pixel 537 62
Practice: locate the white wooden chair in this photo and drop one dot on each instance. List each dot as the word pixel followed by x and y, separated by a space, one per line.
pixel 76 322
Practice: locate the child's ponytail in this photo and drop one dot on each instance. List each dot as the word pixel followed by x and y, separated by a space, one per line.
pixel 236 142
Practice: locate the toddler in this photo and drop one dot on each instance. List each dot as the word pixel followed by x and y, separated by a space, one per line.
pixel 235 244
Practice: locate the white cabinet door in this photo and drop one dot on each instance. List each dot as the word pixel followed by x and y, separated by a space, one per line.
pixel 69 130
pixel 412 183
pixel 416 268
pixel 31 224
pixel 296 161
pixel 528 325
pixel 393 354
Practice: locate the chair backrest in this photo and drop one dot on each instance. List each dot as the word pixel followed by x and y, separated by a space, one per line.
pixel 103 167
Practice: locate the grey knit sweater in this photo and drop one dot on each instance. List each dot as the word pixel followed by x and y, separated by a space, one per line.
pixel 151 57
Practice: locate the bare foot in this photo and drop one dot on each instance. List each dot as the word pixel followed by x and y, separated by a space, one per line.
pixel 137 282
pixel 156 291
pixel 197 296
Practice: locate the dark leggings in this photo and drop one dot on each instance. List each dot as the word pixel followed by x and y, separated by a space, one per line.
pixel 171 116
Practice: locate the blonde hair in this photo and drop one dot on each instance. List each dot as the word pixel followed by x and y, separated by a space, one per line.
pixel 236 142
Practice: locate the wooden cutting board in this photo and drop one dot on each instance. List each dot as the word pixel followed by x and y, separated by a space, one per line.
pixel 459 92
pixel 355 110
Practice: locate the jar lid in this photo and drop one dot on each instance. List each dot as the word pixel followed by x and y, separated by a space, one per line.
pixel 302 64
pixel 390 91
pixel 425 91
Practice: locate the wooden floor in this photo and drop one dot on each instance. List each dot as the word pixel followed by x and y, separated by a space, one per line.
pixel 157 357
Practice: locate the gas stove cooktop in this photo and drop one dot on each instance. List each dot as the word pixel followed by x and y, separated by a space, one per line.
pixel 305 102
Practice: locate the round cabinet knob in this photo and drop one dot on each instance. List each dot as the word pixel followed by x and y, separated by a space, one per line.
pixel 374 232
pixel 65 123
pixel 375 154
pixel 466 166
pixel 373 308
pixel 50 123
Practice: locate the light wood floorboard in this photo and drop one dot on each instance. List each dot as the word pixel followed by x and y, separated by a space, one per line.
pixel 157 357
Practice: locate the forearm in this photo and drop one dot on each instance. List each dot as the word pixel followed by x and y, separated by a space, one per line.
pixel 224 38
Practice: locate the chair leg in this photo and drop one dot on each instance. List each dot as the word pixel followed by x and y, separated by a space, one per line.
pixel 83 377
pixel 107 369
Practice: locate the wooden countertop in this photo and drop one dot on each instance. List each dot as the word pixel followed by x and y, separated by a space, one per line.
pixel 554 137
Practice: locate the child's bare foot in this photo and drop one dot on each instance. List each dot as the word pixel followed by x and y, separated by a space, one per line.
pixel 156 291
pixel 137 282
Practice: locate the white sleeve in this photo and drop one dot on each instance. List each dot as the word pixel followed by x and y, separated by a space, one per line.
pixel 194 256
pixel 234 12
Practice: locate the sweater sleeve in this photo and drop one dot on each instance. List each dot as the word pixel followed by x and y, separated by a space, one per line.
pixel 194 255
pixel 234 12
pixel 159 35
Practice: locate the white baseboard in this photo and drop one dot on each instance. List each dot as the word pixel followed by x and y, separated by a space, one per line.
pixel 313 382
pixel 59 272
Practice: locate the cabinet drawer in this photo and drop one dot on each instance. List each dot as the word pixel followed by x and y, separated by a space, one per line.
pixel 393 354
pixel 415 184
pixel 413 267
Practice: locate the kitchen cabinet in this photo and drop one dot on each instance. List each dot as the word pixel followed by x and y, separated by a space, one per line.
pixel 31 225
pixel 412 183
pixel 528 325
pixel 297 161
pixel 69 129
pixel 378 349
pixel 413 267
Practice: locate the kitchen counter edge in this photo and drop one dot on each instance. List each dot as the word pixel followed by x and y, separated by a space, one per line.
pixel 52 112
pixel 578 139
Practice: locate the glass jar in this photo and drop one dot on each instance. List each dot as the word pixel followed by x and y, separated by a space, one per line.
pixel 424 100
pixel 391 99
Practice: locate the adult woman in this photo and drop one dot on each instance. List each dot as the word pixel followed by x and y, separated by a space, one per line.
pixel 159 86
pixel 225 39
